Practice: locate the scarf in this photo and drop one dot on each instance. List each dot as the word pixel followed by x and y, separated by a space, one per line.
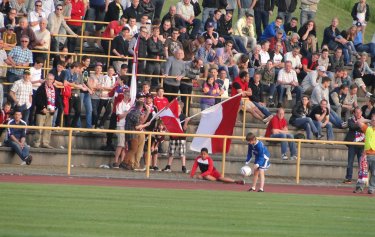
pixel 50 92
pixel 363 169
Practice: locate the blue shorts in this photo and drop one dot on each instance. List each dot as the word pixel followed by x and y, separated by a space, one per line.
pixel 262 163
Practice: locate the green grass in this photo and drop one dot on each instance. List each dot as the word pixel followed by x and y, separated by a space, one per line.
pixel 327 9
pixel 61 210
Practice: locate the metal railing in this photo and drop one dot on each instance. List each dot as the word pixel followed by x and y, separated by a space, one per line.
pixel 149 134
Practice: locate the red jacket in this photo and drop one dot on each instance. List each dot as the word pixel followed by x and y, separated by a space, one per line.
pixel 78 11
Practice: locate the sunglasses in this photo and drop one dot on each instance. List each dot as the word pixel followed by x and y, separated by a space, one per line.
pixel 24 41
pixel 38 5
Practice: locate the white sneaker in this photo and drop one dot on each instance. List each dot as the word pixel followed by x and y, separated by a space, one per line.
pixel 368 94
pixel 86 45
pixel 97 46
pixel 23 163
pixel 284 157
pixel 293 158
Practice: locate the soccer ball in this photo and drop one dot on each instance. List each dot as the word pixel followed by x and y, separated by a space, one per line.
pixel 246 170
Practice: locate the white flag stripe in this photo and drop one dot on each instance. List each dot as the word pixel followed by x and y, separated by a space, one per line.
pixel 166 112
pixel 210 121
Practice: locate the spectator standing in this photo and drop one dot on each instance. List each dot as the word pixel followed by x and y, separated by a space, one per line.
pixel 96 87
pixel 278 128
pixel 21 93
pixel 300 118
pixel 43 40
pixel 36 80
pixel 120 48
pixel 262 10
pixel 19 56
pixel 45 107
pixel 369 108
pixel 210 88
pixel 134 11
pixel 245 6
pixel 114 12
pixel 148 9
pixel 155 50
pixel 285 9
pixel 87 91
pixel 77 13
pixel 354 134
pixel 60 80
pixel 361 13
pixel 112 30
pixel 192 70
pixel 174 67
pixel 350 102
pixel 11 18
pixel 308 10
pixel 9 37
pixel 35 16
pixel 96 12
pixel 337 98
pixel 24 30
pixel 209 6
pixel 4 119
pixel 158 4
pixel 16 139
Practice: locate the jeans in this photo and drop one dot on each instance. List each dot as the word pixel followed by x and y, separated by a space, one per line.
pixel 238 44
pixel 371 167
pixel 241 12
pixel 86 101
pixel 74 103
pixel 158 7
pixel 263 109
pixel 207 13
pixel 106 104
pixel 261 18
pixel 72 42
pixel 153 68
pixel 329 128
pixel 32 115
pixel 22 153
pixel 12 77
pixel 284 145
pixel 185 89
pixel 296 90
pixel 287 16
pixel 196 27
pixel 95 105
pixel 270 89
pixel 306 16
pixel 369 48
pixel 170 89
pixel 352 152
pixel 335 119
pixel 112 125
pixel 307 124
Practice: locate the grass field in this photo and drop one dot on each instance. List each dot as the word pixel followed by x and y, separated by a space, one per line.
pixel 62 210
pixel 327 9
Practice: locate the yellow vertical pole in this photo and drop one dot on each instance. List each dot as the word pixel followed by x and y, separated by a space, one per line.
pixel 81 44
pixel 48 60
pixel 224 156
pixel 187 106
pixel 109 52
pixel 148 159
pixel 62 119
pixel 70 149
pixel 244 119
pixel 162 82
pixel 298 162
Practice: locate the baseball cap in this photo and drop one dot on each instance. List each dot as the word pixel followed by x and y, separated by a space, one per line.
pixel 26 72
pixel 210 24
pixel 321 68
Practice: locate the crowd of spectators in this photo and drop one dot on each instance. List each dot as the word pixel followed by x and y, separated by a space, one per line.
pixel 272 62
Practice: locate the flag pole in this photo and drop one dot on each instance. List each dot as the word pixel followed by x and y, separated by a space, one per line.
pixel 166 107
pixel 239 94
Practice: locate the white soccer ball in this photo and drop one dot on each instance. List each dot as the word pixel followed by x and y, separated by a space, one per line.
pixel 246 170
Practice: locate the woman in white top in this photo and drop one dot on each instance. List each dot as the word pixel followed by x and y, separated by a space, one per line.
pixel 96 87
pixel 361 13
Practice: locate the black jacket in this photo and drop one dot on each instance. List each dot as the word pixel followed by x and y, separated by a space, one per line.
pixel 148 9
pixel 113 13
pixel 209 3
pixel 282 6
pixel 299 112
pixel 353 128
pixel 154 49
pixel 354 12
pixel 257 92
pixel 268 5
pixel 224 26
pixel 41 99
pixel 367 116
pixel 121 46
pixel 134 12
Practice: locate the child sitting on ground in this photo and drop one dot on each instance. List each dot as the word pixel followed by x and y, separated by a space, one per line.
pixel 208 170
pixel 261 163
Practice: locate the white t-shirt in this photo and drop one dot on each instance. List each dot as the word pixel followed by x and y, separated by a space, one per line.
pixel 106 81
pixel 264 57
pixel 121 108
pixel 36 74
pixel 34 16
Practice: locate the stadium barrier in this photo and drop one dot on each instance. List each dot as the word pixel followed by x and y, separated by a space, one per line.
pixel 149 134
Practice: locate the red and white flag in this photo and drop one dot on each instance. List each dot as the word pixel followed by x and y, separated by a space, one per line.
pixel 133 82
pixel 217 120
pixel 170 118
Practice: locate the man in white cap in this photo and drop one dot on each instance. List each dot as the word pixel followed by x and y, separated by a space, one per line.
pixel 313 79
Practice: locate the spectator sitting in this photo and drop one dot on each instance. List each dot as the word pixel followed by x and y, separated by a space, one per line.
pixel 313 79
pixel 368 74
pixel 295 59
pixel 268 82
pixel 323 59
pixel 292 42
pixel 308 64
pixel 358 73
pixel 271 30
pixel 300 119
pixel 308 32
pixel 264 55
pixel 350 102
pixel 322 92
pixel 223 82
pixel 9 37
pixel 185 11
pixel 308 47
pixel 114 11
pixel 291 27
pixel 321 118
pixel 165 30
pixel 245 30
pixel 360 47
pixel 346 79
pixel 255 60
pixel 214 20
pixel 335 61
pixel 205 52
pixel 11 18
pixel 225 59
pixel 210 88
pixel 278 128
pixel 277 57
pixel 361 13
pixel 337 98
pixel 288 83
pixel 257 96
pixel 278 38
pixel 369 108
pixel 16 139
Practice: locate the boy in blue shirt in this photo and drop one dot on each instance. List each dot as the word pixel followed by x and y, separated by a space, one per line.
pixel 261 163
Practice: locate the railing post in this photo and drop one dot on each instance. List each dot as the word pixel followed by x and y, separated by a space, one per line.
pixel 70 149
pixel 109 53
pixel 162 81
pixel 298 162
pixel 148 159
pixel 224 156
pixel 244 119
pixel 81 44
pixel 187 105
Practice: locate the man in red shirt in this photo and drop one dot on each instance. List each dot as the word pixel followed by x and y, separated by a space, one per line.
pixel 241 84
pixel 278 128
pixel 160 101
pixel 78 11
pixel 111 31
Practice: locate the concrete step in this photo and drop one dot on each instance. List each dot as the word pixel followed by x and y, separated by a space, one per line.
pixel 92 159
